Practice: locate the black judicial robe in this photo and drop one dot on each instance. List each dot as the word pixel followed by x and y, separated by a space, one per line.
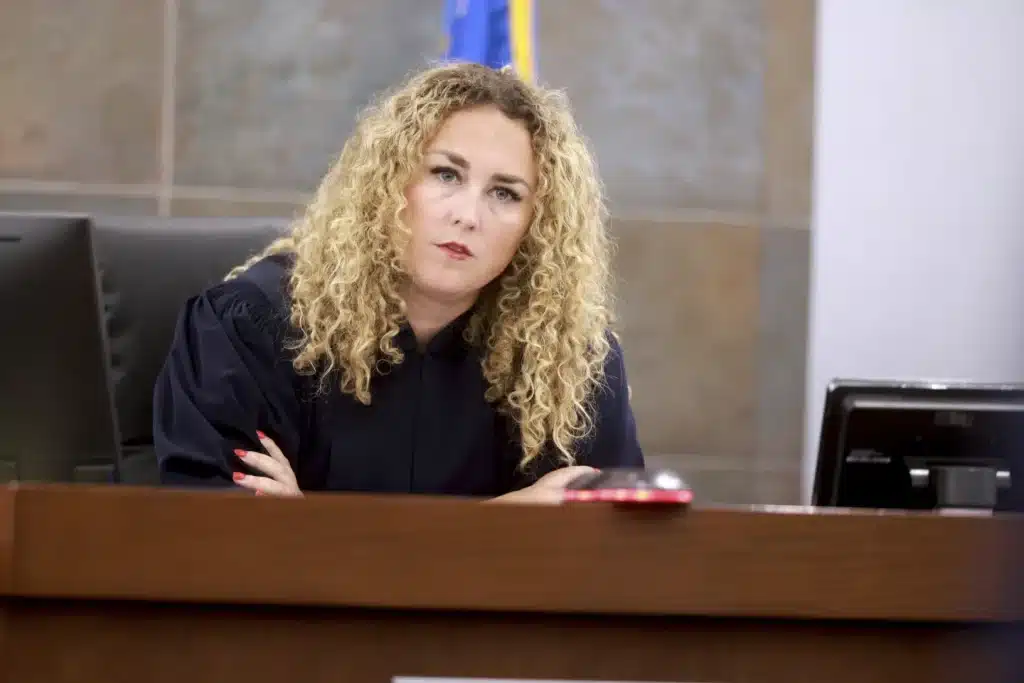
pixel 428 429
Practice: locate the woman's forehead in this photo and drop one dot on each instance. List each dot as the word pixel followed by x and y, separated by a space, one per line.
pixel 486 137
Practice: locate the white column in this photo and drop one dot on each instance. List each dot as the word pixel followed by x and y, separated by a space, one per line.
pixel 918 220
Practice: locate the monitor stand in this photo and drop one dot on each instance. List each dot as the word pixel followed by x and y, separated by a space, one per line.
pixel 962 487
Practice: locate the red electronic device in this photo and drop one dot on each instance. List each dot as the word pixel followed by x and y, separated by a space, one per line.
pixel 629 486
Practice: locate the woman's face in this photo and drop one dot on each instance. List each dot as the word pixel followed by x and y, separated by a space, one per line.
pixel 469 205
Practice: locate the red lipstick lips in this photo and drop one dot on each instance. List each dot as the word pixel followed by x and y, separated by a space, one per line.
pixel 456 250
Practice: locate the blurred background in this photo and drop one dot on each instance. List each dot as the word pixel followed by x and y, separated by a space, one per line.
pixel 725 130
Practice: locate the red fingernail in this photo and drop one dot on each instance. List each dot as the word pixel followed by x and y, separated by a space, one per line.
pixel 260 434
pixel 239 452
pixel 259 493
pixel 238 476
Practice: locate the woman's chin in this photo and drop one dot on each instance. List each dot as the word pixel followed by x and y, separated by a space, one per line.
pixel 447 287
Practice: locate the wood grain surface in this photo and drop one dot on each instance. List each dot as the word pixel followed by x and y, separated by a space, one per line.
pixel 121 584
pixel 407 552
pixel 131 642
pixel 7 494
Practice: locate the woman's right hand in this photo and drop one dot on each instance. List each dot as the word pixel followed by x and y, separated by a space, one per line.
pixel 548 490
pixel 280 479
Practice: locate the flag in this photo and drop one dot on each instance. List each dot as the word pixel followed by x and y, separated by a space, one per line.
pixel 496 33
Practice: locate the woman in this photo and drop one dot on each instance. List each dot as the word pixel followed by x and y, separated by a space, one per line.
pixel 436 322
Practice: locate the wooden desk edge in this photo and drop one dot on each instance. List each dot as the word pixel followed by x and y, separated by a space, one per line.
pixel 476 568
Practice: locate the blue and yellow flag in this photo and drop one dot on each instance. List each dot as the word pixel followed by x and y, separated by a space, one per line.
pixel 497 33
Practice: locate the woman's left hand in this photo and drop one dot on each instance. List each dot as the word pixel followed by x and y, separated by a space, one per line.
pixel 280 479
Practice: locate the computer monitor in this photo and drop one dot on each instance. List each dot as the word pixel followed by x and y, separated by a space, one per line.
pixel 57 419
pixel 921 446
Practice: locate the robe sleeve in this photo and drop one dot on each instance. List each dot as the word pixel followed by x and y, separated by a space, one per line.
pixel 614 442
pixel 225 377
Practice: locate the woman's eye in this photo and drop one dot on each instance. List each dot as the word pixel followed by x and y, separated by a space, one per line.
pixel 445 175
pixel 506 195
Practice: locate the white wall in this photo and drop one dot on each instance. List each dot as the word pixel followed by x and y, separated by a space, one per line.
pixel 918 219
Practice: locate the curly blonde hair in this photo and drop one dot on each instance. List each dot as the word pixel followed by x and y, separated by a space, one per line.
pixel 543 325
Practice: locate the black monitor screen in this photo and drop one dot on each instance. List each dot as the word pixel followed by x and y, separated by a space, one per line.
pixel 921 446
pixel 56 407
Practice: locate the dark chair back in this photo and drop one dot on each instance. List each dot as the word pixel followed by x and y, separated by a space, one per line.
pixel 149 267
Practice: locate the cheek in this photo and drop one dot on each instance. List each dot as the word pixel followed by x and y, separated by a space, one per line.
pixel 417 222
pixel 423 206
pixel 506 242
